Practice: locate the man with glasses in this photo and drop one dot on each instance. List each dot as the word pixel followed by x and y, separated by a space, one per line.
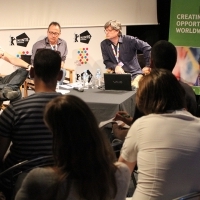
pixel 52 41
pixel 120 51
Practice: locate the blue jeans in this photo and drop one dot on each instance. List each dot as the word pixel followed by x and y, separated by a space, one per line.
pixel 13 81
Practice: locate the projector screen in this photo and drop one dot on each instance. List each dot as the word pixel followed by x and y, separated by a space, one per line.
pixel 31 14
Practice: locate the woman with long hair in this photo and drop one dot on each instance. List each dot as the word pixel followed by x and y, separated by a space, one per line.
pixel 85 165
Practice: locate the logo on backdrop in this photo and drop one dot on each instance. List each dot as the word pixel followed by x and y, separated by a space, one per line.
pixel 20 53
pixel 82 56
pixel 21 40
pixel 83 37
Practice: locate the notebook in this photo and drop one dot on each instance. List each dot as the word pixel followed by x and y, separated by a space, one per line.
pixel 117 82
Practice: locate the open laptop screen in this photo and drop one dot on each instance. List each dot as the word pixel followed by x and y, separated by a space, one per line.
pixel 117 82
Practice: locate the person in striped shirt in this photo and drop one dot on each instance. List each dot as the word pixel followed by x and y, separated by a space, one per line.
pixel 21 123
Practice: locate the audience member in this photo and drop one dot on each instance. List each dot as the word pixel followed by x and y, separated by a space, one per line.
pixel 10 84
pixel 21 124
pixel 52 41
pixel 85 167
pixel 120 51
pixel 163 55
pixel 165 142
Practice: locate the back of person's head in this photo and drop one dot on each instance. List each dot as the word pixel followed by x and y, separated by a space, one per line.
pixel 114 24
pixel 79 148
pixel 164 55
pixel 159 92
pixel 47 64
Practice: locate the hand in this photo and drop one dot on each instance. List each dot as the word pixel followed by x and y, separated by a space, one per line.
pixel 123 116
pixel 119 132
pixel 119 70
pixel 146 70
pixel 29 67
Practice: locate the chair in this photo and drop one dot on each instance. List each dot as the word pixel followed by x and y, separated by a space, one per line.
pixel 192 196
pixel 29 83
pixel 8 177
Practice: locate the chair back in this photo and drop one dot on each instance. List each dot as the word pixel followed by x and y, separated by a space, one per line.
pixel 9 176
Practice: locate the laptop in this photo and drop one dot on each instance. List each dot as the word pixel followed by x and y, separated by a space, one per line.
pixel 117 82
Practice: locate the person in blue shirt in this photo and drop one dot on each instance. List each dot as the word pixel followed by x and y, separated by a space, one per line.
pixel 120 51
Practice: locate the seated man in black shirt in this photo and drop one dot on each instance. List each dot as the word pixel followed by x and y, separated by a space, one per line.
pixel 163 55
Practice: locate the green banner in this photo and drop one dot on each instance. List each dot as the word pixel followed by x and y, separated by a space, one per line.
pixel 185 23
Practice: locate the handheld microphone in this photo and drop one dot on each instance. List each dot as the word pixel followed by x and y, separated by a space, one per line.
pixel 80 89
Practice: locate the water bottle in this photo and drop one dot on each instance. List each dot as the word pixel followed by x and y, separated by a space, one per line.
pixel 98 78
pixel 85 79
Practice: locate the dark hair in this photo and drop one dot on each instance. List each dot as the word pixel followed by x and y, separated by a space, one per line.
pixel 159 92
pixel 164 55
pixel 54 24
pixel 80 150
pixel 47 64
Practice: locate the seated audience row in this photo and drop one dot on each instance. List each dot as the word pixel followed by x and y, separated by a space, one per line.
pixel 164 143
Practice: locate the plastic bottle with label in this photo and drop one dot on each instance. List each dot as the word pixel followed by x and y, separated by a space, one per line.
pixel 85 79
pixel 98 78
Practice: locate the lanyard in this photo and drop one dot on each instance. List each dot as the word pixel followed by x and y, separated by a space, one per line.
pixel 54 47
pixel 114 52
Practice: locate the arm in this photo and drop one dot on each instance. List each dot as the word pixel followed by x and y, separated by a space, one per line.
pixel 64 54
pixel 13 60
pixel 130 149
pixel 144 47
pixel 106 57
pixel 62 64
pixel 131 165
pixel 4 144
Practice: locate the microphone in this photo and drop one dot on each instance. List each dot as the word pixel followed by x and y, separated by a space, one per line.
pixel 80 89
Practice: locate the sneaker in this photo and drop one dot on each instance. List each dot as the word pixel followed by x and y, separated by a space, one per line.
pixel 9 94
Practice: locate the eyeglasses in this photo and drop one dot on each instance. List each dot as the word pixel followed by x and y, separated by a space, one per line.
pixel 54 33
pixel 108 30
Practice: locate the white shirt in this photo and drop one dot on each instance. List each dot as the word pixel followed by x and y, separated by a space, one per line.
pixel 167 150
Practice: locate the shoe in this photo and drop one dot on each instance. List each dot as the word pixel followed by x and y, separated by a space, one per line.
pixel 12 95
pixel 9 94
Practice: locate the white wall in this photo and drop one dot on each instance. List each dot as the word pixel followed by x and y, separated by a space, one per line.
pixel 23 14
